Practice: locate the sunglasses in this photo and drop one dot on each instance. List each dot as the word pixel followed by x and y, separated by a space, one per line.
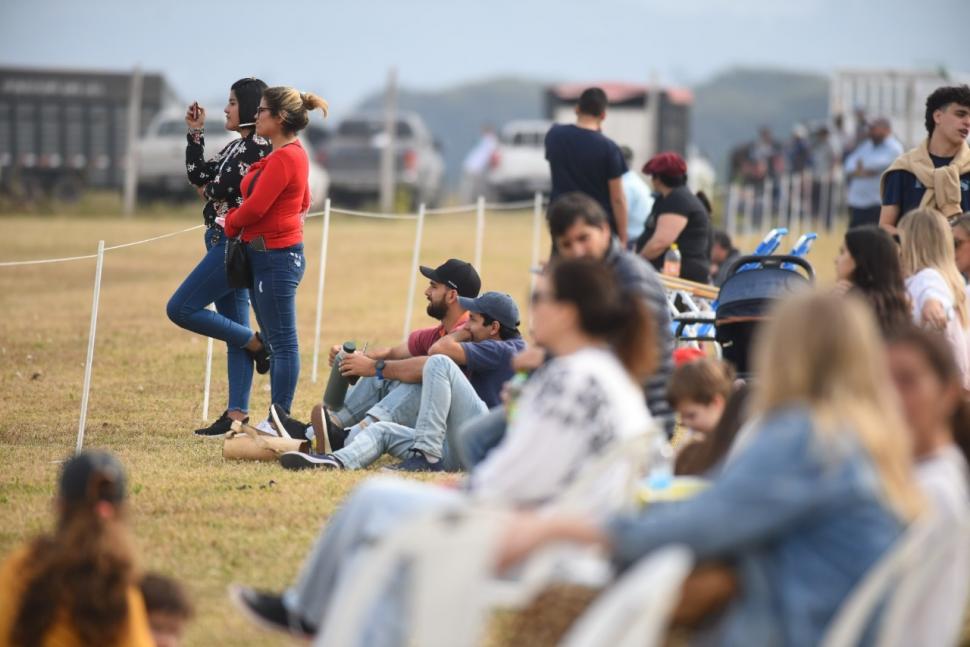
pixel 540 297
pixel 261 109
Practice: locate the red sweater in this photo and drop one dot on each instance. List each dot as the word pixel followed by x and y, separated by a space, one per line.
pixel 275 204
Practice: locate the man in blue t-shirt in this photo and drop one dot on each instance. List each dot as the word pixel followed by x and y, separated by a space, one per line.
pixel 581 158
pixel 941 162
pixel 450 396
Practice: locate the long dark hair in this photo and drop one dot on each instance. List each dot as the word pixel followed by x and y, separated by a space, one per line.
pixel 85 568
pixel 939 356
pixel 878 276
pixel 606 312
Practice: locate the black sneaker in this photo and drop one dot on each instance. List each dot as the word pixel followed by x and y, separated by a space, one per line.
pixel 324 429
pixel 267 611
pixel 416 462
pixel 220 427
pixel 305 461
pixel 279 416
pixel 260 357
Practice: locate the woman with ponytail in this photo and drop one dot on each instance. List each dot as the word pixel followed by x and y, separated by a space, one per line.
pixel 78 586
pixel 276 197
pixel 573 410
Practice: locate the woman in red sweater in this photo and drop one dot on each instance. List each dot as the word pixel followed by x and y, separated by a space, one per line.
pixel 270 220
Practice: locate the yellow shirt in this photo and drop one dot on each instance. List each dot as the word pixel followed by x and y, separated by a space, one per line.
pixel 135 633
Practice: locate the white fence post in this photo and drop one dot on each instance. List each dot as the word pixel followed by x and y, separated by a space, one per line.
pixel 207 384
pixel 86 389
pixel 731 212
pixel 536 237
pixel 415 258
pixel 784 212
pixel 479 231
pixel 766 206
pixel 320 281
pixel 749 197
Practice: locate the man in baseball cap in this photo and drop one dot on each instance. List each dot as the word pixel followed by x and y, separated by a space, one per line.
pixel 450 396
pixel 389 384
pixel 456 275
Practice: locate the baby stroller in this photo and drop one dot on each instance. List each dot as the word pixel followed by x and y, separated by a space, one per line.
pixel 753 285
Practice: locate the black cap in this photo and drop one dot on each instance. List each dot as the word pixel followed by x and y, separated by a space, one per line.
pixel 456 274
pixel 92 475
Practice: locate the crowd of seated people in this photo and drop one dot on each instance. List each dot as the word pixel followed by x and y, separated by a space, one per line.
pixel 853 427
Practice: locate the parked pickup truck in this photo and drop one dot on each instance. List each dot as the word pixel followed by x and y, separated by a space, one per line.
pixel 354 159
pixel 161 158
pixel 518 167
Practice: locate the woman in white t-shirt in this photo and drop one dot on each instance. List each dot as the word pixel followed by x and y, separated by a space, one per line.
pixel 936 290
pixel 938 417
pixel 575 407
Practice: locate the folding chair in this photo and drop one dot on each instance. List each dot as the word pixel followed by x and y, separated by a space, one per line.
pixel 444 554
pixel 450 556
pixel 635 610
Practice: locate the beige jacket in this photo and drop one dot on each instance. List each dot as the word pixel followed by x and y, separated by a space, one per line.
pixel 942 184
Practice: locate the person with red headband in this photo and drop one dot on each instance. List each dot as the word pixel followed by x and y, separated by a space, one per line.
pixel 678 216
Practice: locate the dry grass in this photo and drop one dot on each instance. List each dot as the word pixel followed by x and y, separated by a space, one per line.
pixel 202 520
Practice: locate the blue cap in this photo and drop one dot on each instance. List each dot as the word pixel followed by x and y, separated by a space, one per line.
pixel 495 305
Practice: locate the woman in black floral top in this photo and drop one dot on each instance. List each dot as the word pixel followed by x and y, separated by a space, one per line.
pixel 218 182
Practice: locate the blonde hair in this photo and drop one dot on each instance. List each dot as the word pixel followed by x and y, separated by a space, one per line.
pixel 836 366
pixel 927 242
pixel 293 106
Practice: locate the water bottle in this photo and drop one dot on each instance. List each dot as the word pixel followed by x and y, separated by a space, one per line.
pixel 661 464
pixel 672 261
pixel 514 390
pixel 333 397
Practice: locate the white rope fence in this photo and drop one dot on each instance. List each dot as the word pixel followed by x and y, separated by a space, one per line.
pixel 479 208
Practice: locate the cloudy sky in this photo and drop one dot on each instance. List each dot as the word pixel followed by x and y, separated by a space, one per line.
pixel 343 49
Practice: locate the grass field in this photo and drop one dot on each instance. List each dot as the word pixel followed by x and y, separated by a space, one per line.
pixel 196 517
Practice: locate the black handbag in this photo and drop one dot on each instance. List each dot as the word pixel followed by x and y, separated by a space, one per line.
pixel 238 273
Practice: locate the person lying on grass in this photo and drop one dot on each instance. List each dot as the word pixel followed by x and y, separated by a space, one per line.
pixel 449 395
pixel 574 409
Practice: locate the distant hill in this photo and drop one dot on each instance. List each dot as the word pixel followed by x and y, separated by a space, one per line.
pixel 728 109
pixel 456 115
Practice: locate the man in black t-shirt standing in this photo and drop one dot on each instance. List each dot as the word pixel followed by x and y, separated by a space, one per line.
pixel 581 158
pixel 935 174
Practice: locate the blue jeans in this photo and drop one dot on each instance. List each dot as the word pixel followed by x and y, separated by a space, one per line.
pixel 387 400
pixel 377 507
pixel 472 442
pixel 448 401
pixel 276 274
pixel 229 323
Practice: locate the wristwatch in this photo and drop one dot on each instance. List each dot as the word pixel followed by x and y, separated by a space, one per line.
pixel 379 369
